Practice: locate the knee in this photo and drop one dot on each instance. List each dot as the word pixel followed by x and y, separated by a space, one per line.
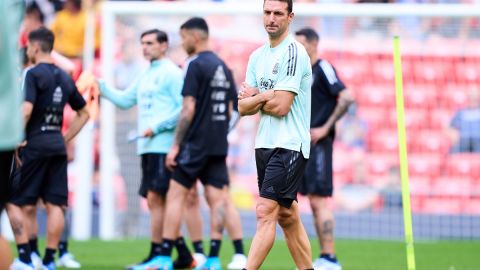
pixel 317 204
pixel 286 218
pixel 264 213
pixel 29 210
pixel 193 201
pixel 154 200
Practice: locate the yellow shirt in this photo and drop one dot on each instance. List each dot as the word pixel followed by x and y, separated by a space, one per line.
pixel 69 30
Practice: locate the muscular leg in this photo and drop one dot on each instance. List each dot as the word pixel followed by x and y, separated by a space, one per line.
pixel 216 201
pixel 324 223
pixel 193 218
pixel 176 197
pixel 267 215
pixel 30 213
pixel 296 236
pixel 18 223
pixel 233 221
pixel 55 224
pixel 156 206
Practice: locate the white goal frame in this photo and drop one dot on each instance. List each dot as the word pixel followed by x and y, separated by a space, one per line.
pixel 112 9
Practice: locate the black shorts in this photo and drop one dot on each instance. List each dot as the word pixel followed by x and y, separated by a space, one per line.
pixel 280 174
pixel 318 178
pixel 192 165
pixel 6 160
pixel 44 178
pixel 155 176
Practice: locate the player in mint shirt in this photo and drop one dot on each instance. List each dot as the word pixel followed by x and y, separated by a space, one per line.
pixel 277 86
pixel 10 95
pixel 157 93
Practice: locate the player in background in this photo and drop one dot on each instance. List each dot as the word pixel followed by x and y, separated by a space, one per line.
pixel 66 259
pixel 200 147
pixel 193 218
pixel 277 86
pixel 157 92
pixel 43 160
pixel 330 101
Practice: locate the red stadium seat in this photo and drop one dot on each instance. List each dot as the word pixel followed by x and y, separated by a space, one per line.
pixel 378 95
pixel 420 185
pixel 440 118
pixel 425 164
pixel 439 205
pixel 468 71
pixel 383 70
pixel 343 164
pixel 380 164
pixel 414 118
pixel 420 96
pixel 454 96
pixel 384 140
pixel 350 70
pixel 430 141
pixel 472 206
pixel 463 164
pixel 452 186
pixel 429 70
pixel 375 116
pixel 416 203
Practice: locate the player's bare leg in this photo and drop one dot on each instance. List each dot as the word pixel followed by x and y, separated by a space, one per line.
pixel 295 236
pixel 216 200
pixel 18 223
pixel 324 223
pixel 30 213
pixel 267 215
pixel 176 198
pixel 156 205
pixel 234 228
pixel 194 218
pixel 55 223
pixel 233 221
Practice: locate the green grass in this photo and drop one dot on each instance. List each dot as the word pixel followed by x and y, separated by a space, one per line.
pixel 354 255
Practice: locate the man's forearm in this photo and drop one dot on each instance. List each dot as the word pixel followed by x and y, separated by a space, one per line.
pixel 251 105
pixel 183 125
pixel 77 123
pixel 338 112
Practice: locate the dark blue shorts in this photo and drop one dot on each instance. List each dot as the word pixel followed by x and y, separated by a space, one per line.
pixel 155 176
pixel 279 173
pixel 318 178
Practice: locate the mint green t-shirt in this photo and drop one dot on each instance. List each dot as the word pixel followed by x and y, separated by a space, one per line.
pixel 10 95
pixel 285 67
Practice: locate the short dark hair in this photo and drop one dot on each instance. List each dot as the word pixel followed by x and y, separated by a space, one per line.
pixel 161 36
pixel 34 10
pixel 196 23
pixel 76 3
pixel 289 3
pixel 309 34
pixel 44 37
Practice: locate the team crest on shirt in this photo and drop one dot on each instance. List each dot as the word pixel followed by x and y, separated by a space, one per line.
pixel 57 95
pixel 275 68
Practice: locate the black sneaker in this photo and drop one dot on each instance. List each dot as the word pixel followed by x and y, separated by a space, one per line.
pixel 184 262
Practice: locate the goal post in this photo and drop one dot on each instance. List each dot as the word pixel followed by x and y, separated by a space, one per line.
pixel 357 20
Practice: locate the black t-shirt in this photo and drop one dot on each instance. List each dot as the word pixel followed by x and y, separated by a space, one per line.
pixel 49 89
pixel 325 90
pixel 211 83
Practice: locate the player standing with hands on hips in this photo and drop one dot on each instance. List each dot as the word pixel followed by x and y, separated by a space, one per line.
pixel 278 82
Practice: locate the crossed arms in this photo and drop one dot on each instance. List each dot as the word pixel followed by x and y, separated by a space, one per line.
pixel 273 102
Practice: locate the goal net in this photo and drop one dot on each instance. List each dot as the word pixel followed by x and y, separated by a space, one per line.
pixel 441 74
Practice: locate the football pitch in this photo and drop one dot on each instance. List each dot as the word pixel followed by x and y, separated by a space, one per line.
pixel 354 254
